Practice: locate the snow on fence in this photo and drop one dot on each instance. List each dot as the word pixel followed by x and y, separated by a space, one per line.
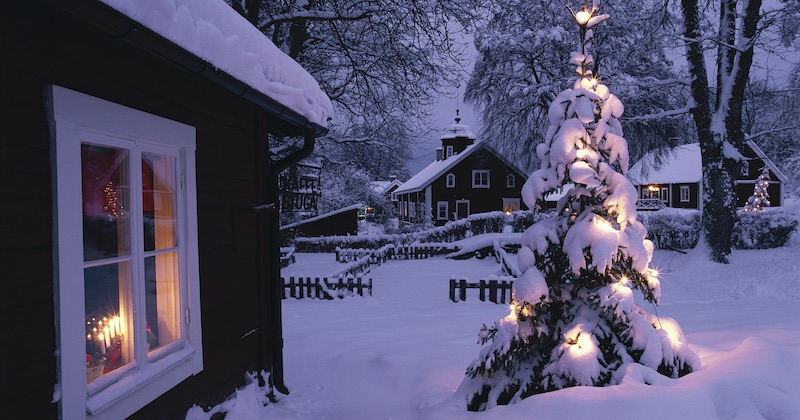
pixel 359 266
pixel 508 265
pixel 418 251
pixel 324 288
pixel 499 289
pixel 377 256
pixel 287 256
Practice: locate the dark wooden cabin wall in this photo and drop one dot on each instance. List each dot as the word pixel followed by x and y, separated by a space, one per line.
pixel 40 46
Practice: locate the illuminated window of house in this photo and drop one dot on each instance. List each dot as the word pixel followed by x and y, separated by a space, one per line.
pixel 450 181
pixel 126 218
pixel 510 205
pixel 480 178
pixel 684 193
pixel 511 181
pixel 441 210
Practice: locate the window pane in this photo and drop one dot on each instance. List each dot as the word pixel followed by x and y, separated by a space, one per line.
pixel 158 201
pixel 105 291
pixel 106 186
pixel 162 299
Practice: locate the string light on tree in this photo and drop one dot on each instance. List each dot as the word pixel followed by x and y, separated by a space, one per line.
pixel 573 319
pixel 760 197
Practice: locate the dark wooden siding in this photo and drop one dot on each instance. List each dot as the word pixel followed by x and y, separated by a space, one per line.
pixel 675 191
pixel 482 200
pixel 39 46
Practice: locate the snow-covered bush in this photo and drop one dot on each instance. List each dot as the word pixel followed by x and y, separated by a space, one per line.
pixel 521 220
pixel 490 222
pixel 573 319
pixel 672 228
pixel 764 229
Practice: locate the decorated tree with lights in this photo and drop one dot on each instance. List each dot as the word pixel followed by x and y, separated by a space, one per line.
pixel 760 197
pixel 573 320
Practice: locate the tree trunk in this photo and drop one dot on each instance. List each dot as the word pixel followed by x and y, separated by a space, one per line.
pixel 724 125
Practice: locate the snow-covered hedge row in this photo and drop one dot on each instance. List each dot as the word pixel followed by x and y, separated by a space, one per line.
pixel 673 228
pixel 762 230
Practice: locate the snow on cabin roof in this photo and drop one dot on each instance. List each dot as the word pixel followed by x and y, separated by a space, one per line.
pixel 214 32
pixel 433 171
pixel 683 165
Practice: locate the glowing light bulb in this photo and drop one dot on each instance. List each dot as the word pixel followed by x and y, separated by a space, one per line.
pixel 583 17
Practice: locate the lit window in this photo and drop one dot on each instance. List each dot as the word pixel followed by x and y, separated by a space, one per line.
pixel 511 181
pixel 126 218
pixel 480 178
pixel 450 181
pixel 441 210
pixel 684 193
pixel 510 205
pixel 449 151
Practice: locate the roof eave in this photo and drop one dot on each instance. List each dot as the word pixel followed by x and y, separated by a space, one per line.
pixel 117 25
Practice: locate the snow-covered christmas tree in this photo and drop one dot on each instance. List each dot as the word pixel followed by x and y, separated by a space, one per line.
pixel 573 320
pixel 760 197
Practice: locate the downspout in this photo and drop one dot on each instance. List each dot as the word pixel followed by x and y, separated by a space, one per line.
pixel 273 315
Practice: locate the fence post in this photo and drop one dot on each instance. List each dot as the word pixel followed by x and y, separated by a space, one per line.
pixel 482 290
pixel 493 290
pixel 463 289
pixel 359 286
pixel 453 290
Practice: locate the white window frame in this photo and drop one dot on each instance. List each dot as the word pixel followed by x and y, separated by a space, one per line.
pixel 75 117
pixel 450 180
pixel 685 194
pixel 744 170
pixel 449 151
pixel 476 173
pixel 442 210
pixel 511 181
pixel 516 201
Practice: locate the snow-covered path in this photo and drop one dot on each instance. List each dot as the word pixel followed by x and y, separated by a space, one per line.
pixel 402 353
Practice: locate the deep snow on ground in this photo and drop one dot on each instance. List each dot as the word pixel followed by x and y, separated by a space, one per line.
pixel 402 353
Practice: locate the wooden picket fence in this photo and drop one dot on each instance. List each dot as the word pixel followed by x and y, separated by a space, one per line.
pixel 499 289
pixel 324 288
pixel 412 251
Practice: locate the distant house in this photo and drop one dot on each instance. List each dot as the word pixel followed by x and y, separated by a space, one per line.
pixel 139 250
pixel 467 177
pixel 676 180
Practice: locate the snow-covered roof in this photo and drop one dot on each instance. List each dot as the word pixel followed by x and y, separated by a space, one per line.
pixel 323 216
pixel 214 32
pixel 457 129
pixel 433 171
pixel 683 165
pixel 380 187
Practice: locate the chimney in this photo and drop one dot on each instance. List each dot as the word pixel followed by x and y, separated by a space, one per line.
pixel 392 177
pixel 438 153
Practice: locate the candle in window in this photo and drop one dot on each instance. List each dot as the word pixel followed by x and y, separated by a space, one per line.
pixel 112 329
pixel 117 325
pixel 102 343
pixel 108 337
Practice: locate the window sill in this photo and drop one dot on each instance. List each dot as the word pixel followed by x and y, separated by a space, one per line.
pixel 142 384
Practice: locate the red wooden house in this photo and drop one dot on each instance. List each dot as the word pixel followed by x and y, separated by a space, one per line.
pixel 467 177
pixel 677 180
pixel 139 255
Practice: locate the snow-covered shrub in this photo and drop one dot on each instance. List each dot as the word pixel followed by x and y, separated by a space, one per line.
pixel 521 220
pixel 330 243
pixel 672 228
pixel 491 222
pixel 573 319
pixel 764 229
